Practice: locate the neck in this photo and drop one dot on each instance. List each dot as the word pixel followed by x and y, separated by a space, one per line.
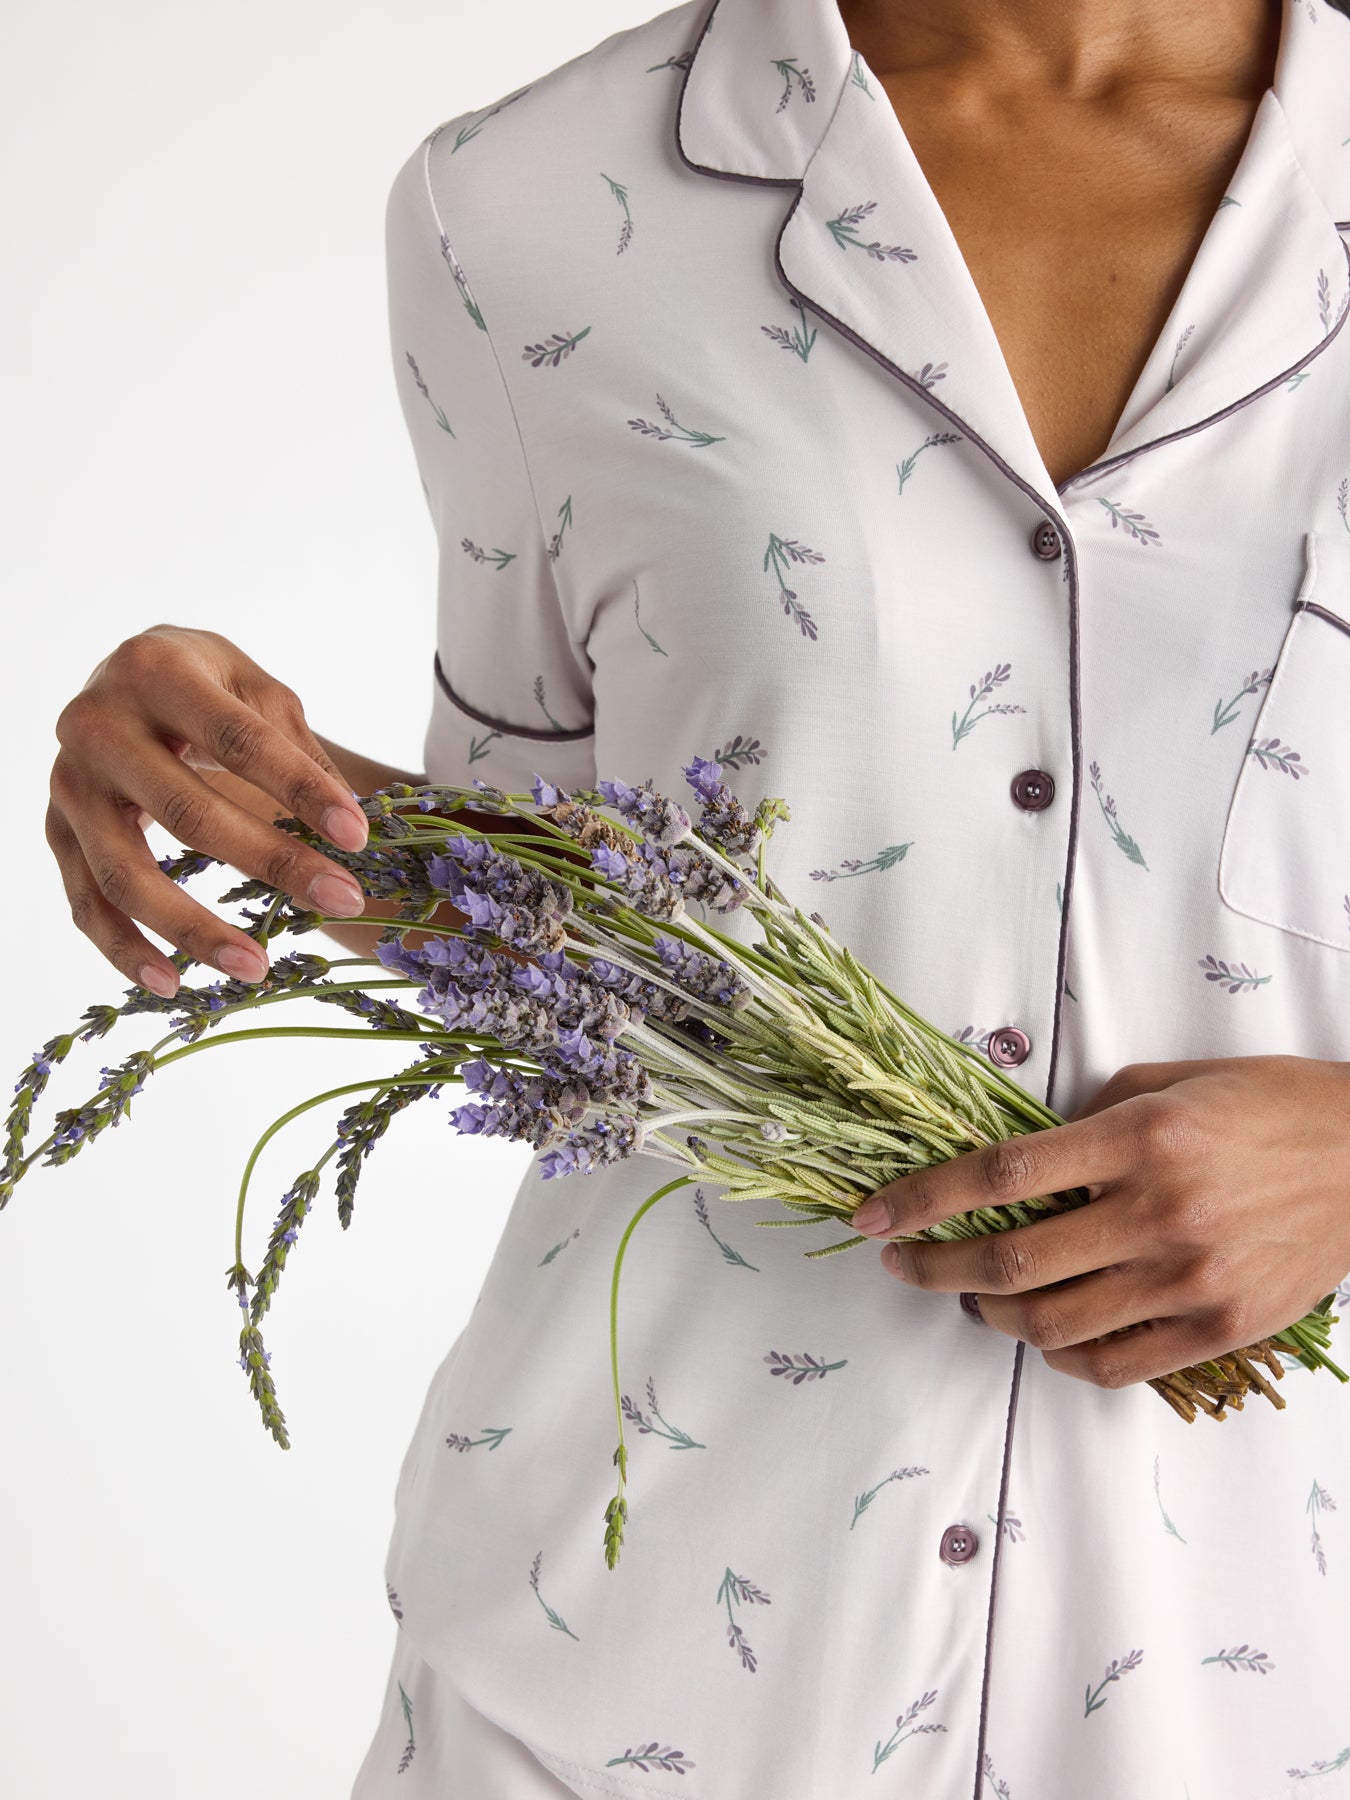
pixel 1082 49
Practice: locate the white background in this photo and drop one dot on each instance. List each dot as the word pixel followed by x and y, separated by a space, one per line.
pixel 201 427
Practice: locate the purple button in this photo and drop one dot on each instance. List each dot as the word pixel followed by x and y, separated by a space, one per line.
pixel 1032 789
pixel 1045 541
pixel 971 1303
pixel 1008 1046
pixel 959 1544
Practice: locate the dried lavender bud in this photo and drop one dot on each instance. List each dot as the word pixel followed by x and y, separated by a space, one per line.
pixel 254 1359
pixel 606 1140
pixel 723 820
pixel 661 820
pixel 646 883
pixel 708 978
pixel 285 1230
pixel 77 1125
pixel 701 879
pixel 380 1015
pixel 361 1127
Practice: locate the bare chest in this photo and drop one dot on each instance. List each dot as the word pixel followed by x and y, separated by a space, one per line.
pixel 1078 245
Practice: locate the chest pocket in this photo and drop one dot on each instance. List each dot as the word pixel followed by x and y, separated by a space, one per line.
pixel 1285 857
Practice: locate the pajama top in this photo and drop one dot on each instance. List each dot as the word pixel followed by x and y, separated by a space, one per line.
pixel 724 460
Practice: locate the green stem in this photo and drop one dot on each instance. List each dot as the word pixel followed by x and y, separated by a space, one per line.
pixel 621 1455
pixel 302 993
pixel 318 1031
pixel 350 1087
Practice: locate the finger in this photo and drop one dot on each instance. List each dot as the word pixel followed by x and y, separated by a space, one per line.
pixel 110 931
pixel 1158 1346
pixel 277 754
pixel 110 875
pixel 1070 1244
pixel 1025 1167
pixel 1080 1311
pixel 1139 1078
pixel 155 780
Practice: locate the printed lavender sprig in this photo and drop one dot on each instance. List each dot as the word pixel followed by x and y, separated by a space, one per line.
pixel 735 1589
pixel 1242 1657
pixel 780 553
pixel 800 1368
pixel 1270 753
pixel 555 1619
pixel 1237 978
pixel 591 1004
pixel 699 439
pixel 1107 803
pixel 843 230
pixel 905 469
pixel 410 1747
pixel 905 1728
pixel 1118 1667
pixel 728 1253
pixel 1319 1500
pixel 865 1499
pixel 1133 523
pixel 981 690
pixel 800 339
pixel 1225 711
pixel 787 68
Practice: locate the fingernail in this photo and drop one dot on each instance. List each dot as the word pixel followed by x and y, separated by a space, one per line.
pixel 870 1214
pixel 159 981
pixel 244 965
pixel 331 894
pixel 345 828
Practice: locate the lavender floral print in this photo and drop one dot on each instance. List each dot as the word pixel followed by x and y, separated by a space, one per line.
pixel 724 461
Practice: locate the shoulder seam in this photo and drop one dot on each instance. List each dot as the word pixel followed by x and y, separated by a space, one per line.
pixel 446 245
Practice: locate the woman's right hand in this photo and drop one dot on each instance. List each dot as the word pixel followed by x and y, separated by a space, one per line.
pixel 166 702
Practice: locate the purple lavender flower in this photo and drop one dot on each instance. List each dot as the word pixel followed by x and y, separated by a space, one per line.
pixel 497 893
pixel 661 820
pixel 723 821
pixel 606 1141
pixel 545 794
pixel 706 977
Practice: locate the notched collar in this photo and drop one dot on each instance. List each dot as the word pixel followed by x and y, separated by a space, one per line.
pixel 774 92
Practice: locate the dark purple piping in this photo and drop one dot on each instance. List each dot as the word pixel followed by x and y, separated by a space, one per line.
pixel 1115 462
pixel 1322 613
pixel 518 731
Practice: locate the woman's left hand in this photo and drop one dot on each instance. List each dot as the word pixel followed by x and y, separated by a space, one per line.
pixel 1220 1214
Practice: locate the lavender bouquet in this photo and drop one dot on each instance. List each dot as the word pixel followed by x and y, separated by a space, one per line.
pixel 586 1012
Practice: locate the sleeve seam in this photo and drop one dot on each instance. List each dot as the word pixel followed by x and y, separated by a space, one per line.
pixel 448 253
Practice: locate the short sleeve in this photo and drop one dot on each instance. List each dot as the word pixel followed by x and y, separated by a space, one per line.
pixel 510 688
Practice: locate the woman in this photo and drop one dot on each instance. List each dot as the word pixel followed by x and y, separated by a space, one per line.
pixel 936 412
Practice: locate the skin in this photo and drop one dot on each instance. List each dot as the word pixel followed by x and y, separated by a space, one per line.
pixel 1094 144
pixel 1079 152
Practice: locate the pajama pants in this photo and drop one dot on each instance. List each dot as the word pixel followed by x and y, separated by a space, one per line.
pixel 431 1745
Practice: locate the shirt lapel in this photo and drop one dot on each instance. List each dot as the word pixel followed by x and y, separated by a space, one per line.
pixel 775 93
